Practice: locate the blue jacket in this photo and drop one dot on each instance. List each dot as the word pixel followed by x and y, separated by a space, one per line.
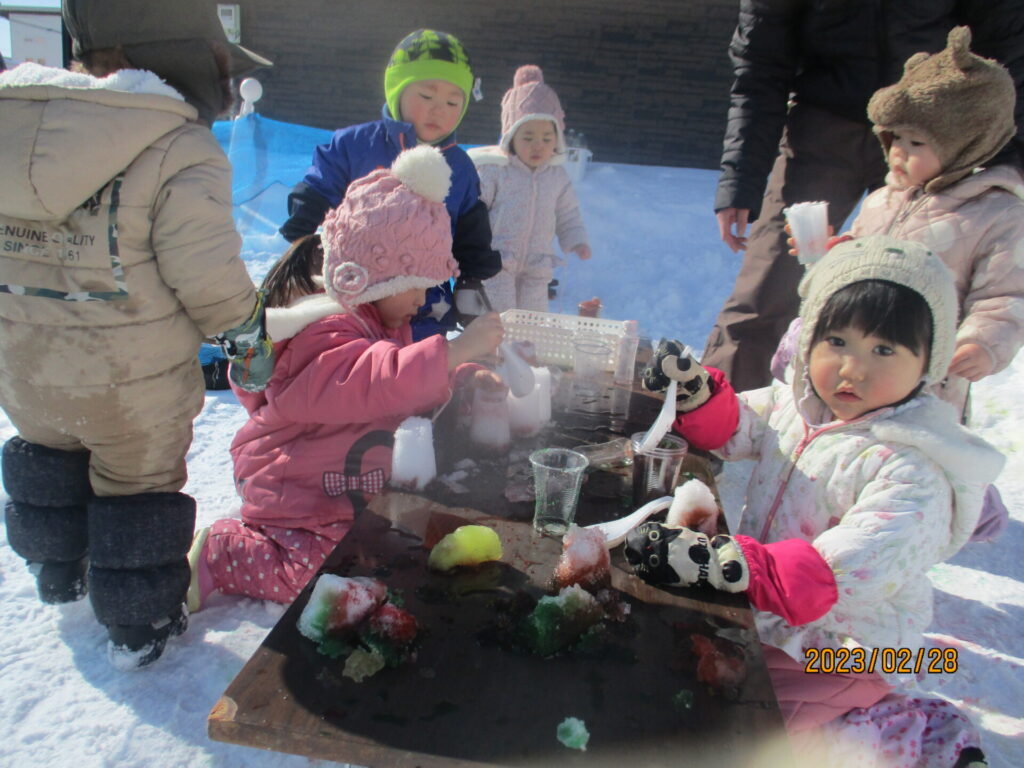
pixel 357 150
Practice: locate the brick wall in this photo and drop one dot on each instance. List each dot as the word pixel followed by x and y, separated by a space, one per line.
pixel 647 85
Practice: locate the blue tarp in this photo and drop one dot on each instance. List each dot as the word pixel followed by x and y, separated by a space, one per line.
pixel 264 152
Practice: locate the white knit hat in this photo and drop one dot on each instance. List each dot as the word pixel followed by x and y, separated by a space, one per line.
pixel 881 257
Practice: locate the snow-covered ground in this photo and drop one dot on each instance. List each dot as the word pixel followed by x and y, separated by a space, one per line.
pixel 657 258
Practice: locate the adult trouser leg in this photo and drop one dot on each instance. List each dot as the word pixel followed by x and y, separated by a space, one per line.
pixel 139 574
pixel 822 157
pixel 46 516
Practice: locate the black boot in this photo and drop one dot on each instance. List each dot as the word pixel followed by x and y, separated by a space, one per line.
pixel 132 646
pixel 46 517
pixel 139 574
pixel 61 582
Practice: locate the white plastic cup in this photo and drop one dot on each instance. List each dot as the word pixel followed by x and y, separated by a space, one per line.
pixel 489 427
pixel 809 224
pixel 413 464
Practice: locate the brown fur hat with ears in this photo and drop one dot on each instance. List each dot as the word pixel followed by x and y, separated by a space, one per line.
pixel 962 102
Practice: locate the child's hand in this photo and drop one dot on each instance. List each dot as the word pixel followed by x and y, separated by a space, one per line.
pixel 791 241
pixel 481 337
pixel 972 362
pixel 583 251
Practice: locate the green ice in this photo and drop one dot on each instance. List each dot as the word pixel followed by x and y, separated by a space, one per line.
pixel 573 733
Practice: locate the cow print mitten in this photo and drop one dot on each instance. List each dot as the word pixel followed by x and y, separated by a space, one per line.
pixel 672 361
pixel 669 556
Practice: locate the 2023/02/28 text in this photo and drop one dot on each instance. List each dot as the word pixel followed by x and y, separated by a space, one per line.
pixel 933 661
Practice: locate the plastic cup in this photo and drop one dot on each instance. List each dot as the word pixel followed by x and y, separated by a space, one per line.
pixel 656 472
pixel 809 225
pixel 557 477
pixel 589 357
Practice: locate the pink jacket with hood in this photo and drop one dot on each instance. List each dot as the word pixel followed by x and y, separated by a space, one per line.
pixel 976 227
pixel 320 434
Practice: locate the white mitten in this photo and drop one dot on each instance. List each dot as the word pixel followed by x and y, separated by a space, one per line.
pixel 664 555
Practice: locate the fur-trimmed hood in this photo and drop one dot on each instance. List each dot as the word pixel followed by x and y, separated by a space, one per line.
pixel 285 322
pixel 67 134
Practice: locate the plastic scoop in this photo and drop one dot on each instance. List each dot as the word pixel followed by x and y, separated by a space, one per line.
pixel 663 423
pixel 615 531
pixel 513 370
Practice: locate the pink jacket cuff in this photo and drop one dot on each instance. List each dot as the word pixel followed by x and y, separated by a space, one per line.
pixel 789 578
pixel 711 425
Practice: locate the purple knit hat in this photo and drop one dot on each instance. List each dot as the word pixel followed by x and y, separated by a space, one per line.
pixel 392 232
pixel 530 98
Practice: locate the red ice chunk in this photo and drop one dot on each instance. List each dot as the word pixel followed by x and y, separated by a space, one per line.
pixel 715 665
pixel 338 604
pixel 393 624
pixel 585 559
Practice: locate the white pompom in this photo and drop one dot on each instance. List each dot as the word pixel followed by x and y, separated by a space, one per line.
pixel 425 171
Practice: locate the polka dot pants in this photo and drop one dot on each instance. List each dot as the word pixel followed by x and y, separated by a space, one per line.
pixel 267 562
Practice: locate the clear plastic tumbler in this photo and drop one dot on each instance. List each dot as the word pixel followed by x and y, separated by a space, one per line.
pixel 656 472
pixel 557 477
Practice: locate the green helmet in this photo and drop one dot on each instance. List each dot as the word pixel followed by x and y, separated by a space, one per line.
pixel 427 54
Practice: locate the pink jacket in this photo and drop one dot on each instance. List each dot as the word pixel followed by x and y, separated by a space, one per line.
pixel 323 428
pixel 977 227
pixel 528 208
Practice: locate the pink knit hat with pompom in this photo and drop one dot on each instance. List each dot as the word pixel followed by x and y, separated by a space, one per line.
pixel 392 232
pixel 530 98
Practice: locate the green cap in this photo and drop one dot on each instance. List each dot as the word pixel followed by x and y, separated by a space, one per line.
pixel 427 54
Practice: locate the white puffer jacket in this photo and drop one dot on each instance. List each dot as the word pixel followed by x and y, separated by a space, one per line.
pixel 881 498
pixel 528 207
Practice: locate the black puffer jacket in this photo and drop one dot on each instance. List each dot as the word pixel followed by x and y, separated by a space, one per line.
pixel 834 54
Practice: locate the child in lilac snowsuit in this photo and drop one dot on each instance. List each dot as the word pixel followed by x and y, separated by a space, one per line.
pixel 529 194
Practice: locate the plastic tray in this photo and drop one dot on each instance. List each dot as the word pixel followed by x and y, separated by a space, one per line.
pixel 552 334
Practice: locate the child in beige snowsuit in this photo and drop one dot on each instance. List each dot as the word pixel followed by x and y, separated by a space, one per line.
pixel 529 194
pixel 120 257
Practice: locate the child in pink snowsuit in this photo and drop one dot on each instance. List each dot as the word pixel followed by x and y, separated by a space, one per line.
pixel 319 437
pixel 939 125
pixel 528 194
pixel 864 479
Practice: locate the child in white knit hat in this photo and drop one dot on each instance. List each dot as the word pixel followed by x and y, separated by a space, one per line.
pixel 529 194
pixel 318 439
pixel 863 481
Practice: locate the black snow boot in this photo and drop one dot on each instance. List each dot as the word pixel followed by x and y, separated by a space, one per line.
pixel 46 516
pixel 132 646
pixel 139 574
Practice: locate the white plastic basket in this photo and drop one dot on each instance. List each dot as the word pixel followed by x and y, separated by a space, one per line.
pixel 552 334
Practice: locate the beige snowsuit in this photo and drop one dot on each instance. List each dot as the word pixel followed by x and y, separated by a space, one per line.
pixel 118 255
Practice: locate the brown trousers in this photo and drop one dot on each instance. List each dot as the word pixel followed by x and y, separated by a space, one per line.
pixel 821 157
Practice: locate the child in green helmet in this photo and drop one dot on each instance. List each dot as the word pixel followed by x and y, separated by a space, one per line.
pixel 427 86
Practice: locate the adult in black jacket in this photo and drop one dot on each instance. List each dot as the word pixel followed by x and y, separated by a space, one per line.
pixel 804 71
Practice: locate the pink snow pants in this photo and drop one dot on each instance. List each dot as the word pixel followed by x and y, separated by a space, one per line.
pixel 810 700
pixel 266 562
pixel 859 722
